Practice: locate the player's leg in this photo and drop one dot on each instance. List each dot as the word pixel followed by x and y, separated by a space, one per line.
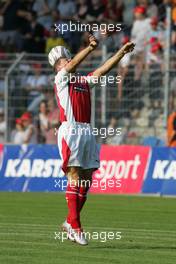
pixel 68 148
pixel 75 231
pixel 73 216
pixel 90 164
pixel 84 186
pixel 73 174
pixel 71 149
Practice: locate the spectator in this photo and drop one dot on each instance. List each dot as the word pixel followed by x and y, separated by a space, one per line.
pixel 155 61
pixel 8 10
pixel 156 34
pixel 24 14
pixel 140 29
pixel 54 40
pixel 171 130
pixel 43 122
pixel 128 13
pixel 96 11
pixel 35 86
pixel 34 38
pixel 29 129
pixel 115 136
pixel 43 8
pixel 174 24
pixel 10 22
pixel 161 6
pixel 53 117
pixel 114 11
pixel 151 8
pixel 154 28
pixel 123 68
pixel 173 84
pixel 83 8
pixel 18 135
pixel 2 84
pixel 57 20
pixel 155 54
pixel 67 9
pixel 2 126
pixel 173 2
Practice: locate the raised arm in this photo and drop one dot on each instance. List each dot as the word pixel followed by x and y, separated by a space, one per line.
pixel 113 61
pixel 93 43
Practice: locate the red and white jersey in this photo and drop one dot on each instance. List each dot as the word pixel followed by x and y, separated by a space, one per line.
pixel 73 97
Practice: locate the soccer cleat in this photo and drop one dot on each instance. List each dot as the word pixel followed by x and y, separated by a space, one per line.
pixel 67 228
pixel 79 236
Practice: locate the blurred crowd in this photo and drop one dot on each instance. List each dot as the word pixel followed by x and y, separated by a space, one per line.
pixel 39 129
pixel 30 26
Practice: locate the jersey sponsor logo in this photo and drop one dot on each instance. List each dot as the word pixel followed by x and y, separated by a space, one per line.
pixel 33 168
pixel 80 89
pixel 164 170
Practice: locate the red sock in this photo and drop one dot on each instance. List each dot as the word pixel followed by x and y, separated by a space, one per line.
pixel 73 206
pixel 82 196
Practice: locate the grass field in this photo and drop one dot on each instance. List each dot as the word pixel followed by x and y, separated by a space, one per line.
pixel 28 222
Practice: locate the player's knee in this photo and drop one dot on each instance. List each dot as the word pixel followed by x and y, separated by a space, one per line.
pixel 73 175
pixel 73 179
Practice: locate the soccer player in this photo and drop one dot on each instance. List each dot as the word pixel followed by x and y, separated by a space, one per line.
pixel 77 145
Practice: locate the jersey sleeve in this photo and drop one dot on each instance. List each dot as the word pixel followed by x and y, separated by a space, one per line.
pixel 92 80
pixel 61 79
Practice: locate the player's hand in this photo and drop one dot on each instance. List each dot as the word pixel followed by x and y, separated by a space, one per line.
pixel 93 42
pixel 128 47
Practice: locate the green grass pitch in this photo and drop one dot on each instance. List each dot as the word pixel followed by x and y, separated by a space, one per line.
pixel 28 222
